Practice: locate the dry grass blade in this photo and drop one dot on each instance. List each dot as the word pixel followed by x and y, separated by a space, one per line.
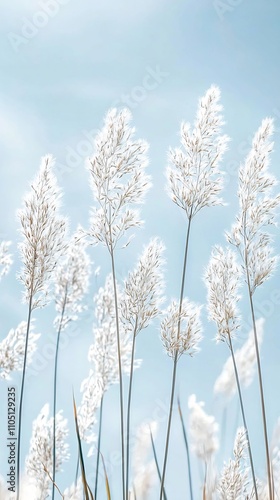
pixel 87 490
pixel 156 462
pixel 53 482
pixel 106 478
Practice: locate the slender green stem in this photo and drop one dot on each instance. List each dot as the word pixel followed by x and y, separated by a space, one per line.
pixel 243 416
pixel 156 462
pixel 175 359
pixel 187 449
pixel 268 464
pixel 21 395
pixel 55 391
pixel 98 447
pixel 128 410
pixel 120 368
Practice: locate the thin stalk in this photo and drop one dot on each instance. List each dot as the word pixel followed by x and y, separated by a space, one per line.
pixel 243 416
pixel 21 394
pixel 268 464
pixel 128 409
pixel 187 449
pixel 156 462
pixel 77 470
pixel 55 391
pixel 175 360
pixel 120 368
pixel 98 447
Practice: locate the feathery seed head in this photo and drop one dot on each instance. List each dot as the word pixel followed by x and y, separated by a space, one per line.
pixel 118 179
pixel 233 483
pixel 71 282
pixel 194 176
pixel 43 231
pixel 40 458
pixel 103 353
pixel 12 349
pixel 222 279
pixel 92 392
pixel 143 289
pixel 181 330
pixel 257 209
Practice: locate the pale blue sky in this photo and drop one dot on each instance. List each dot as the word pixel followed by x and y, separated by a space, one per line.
pixel 55 89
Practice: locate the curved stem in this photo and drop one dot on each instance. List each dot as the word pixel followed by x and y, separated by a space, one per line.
pixel 175 359
pixel 187 449
pixel 55 391
pixel 119 367
pixel 98 447
pixel 156 462
pixel 128 410
pixel 243 416
pixel 268 464
pixel 21 394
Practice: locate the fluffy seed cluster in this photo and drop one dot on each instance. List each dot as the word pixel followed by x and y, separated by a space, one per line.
pixel 92 392
pixel 194 177
pixel 257 209
pixel 143 289
pixel 43 231
pixel 40 457
pixel 5 258
pixel 222 279
pixel 71 282
pixel 103 354
pixel 118 178
pixel 181 329
pixel 12 349
pixel 245 359
pixel 233 482
pixel 203 429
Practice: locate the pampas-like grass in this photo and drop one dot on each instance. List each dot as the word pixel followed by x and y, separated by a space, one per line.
pixel 59 269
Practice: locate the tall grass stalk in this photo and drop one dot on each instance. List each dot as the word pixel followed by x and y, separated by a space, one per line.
pixel 243 417
pixel 260 380
pixel 257 210
pixel 98 447
pixel 129 411
pixel 55 391
pixel 120 369
pixel 21 397
pixel 43 232
pixel 187 448
pixel 175 361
